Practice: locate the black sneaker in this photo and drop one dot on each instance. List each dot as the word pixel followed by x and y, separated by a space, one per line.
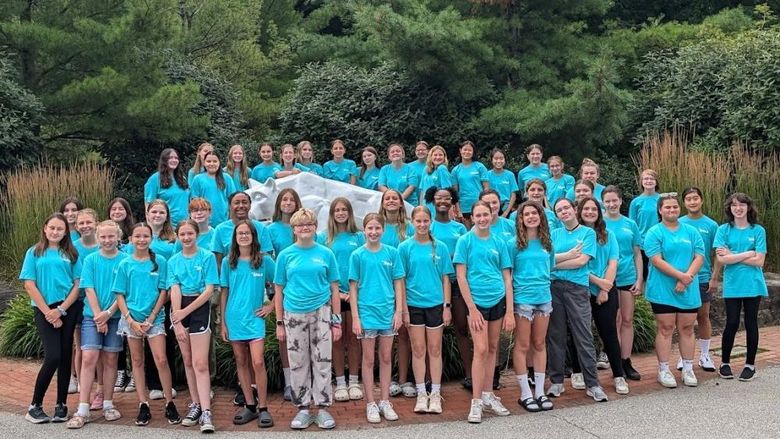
pixel 629 370
pixel 747 374
pixel 239 399
pixel 193 415
pixel 466 383
pixel 496 379
pixel 60 413
pixel 725 372
pixel 144 414
pixel 36 415
pixel 171 414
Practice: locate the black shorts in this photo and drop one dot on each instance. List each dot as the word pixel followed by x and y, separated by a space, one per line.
pixel 624 287
pixel 432 317
pixel 659 308
pixel 199 321
pixel 706 296
pixel 345 306
pixel 454 289
pixel 495 312
pixel 78 308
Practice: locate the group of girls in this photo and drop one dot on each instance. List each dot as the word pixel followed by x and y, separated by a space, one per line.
pixel 563 259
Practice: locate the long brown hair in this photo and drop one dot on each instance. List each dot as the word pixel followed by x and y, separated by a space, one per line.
pixel 66 247
pixel 599 225
pixel 333 228
pixel 126 224
pixel 255 254
pixel 166 232
pixel 402 221
pixel 198 164
pixel 544 228
pixel 165 172
pixel 278 205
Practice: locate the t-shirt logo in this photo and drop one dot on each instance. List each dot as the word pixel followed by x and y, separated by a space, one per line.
pixel 387 263
pixel 494 251
pixel 257 274
pixel 198 268
pixel 318 261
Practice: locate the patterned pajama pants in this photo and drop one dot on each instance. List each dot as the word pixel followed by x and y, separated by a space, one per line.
pixel 309 346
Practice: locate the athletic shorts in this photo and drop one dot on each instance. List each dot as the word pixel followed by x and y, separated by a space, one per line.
pixel 432 317
pixel 706 296
pixel 659 308
pixel 78 308
pixel 199 321
pixel 495 312
pixel 92 340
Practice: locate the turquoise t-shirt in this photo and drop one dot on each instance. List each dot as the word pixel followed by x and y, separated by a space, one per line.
pixel 609 251
pixel 644 210
pixel 531 272
pixel 315 168
pixel 564 240
pixel 344 243
pixel 205 186
pixel 141 286
pixel 191 174
pixel 236 177
pixel 418 167
pixel 305 274
pixel 52 272
pixel 503 228
pixel 557 189
pixel 175 197
pixel 628 236
pixel 160 247
pixel 98 273
pixel 341 171
pixel 485 261
pixel 246 295
pixel 74 236
pixel 204 240
pixel 374 272
pixel 85 251
pixel 448 233
pixel 707 228
pixel 504 183
pixel 390 235
pixel 740 279
pixel 281 235
pixel 542 172
pixel 440 178
pixel 223 236
pixel 678 248
pixel 263 172
pixel 370 179
pixel 425 264
pixel 400 179
pixel 552 220
pixel 599 188
pixel 193 273
pixel 469 180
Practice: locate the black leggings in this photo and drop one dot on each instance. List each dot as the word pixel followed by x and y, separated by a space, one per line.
pixel 733 309
pixel 605 317
pixel 57 354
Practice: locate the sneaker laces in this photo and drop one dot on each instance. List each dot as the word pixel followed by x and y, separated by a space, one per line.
pixel 194 411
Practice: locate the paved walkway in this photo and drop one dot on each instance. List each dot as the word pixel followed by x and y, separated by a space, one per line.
pixel 16 378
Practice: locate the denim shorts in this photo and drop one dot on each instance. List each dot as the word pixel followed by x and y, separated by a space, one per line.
pixel 531 311
pixel 154 331
pixel 92 340
pixel 374 333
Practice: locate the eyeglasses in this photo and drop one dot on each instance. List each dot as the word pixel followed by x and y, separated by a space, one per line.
pixel 244 233
pixel 444 198
pixel 304 226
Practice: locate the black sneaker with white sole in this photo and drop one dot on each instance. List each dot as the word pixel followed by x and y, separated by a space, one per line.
pixel 193 415
pixel 747 374
pixel 144 414
pixel 60 413
pixel 172 414
pixel 725 372
pixel 36 415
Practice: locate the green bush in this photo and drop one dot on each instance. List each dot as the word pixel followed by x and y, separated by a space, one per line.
pixel 644 326
pixel 18 334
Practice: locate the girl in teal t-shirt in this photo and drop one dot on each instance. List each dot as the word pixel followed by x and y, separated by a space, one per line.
pixel 169 184
pixel 499 225
pixel 340 168
pixel 399 176
pixel 214 186
pixel 470 178
pixel 483 269
pixel 267 168
pixel 740 244
pixel 434 173
pixel 427 265
pixel 237 167
pixel 305 156
pixel 368 175
pixel 200 212
pixel 503 182
pixel 288 162
pixel 287 203
pixel 70 208
pixel 559 183
pixel 535 169
pixel 643 208
pixel 376 290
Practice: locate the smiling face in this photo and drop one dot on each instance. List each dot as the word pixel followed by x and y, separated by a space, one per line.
pixel 141 238
pixel 157 215
pixel 200 215
pixel 239 207
pixel 338 150
pixel 266 153
pixel 395 153
pixel 243 235
pixel 535 192
pixel 391 201
pixel 692 203
pixel 188 236
pixel 288 204
pixel 340 213
pixel 305 231
pixel 670 210
pixel 498 160
pixel 590 212
pixel 612 203
pixel 373 231
pixel 211 164
pixel 173 160
pixel 590 173
pixel 467 152
pixel 421 151
pixel 307 152
pixel 237 155
pixel 738 209
pixel 555 167
pixel 582 191
pixel 437 157
pixel 535 156
pixel 648 181
pixel 531 218
pixel 482 217
pixel 71 212
pixel 85 224
pixel 288 155
pixel 117 212
pixel 55 230
pixel 108 237
pixel 421 222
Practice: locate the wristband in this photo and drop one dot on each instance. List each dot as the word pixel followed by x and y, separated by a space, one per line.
pixel 335 318
pixel 448 305
pixel 62 311
pixel 280 323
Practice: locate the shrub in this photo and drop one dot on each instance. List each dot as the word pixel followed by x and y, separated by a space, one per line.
pixel 18 334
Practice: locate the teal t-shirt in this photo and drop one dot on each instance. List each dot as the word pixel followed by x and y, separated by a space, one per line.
pixel 605 253
pixel 263 172
pixel 644 211
pixel 390 235
pixel 341 171
pixel 74 236
pixel 236 177
pixel 628 236
pixel 193 273
pixel 281 235
pixel 504 183
pixel 400 179
pixel 425 264
pixel 204 240
pixel 503 228
pixel 599 188
pixel 344 243
pixel 678 248
pixel 374 272
pixel 469 180
pixel 315 168
pixel 557 189
pixel 246 295
pixel 542 172
pixel 205 186
pixel 707 228
pixel 177 198
pixel 448 233
pixel 84 251
pixel 305 274
pixel 485 261
pixel 98 273
pixel 564 240
pixel 440 178
pixel 223 237
pixel 141 286
pixel 159 246
pixel 418 167
pixel 531 272
pixel 191 174
pixel 370 179
pixel 52 272
pixel 740 279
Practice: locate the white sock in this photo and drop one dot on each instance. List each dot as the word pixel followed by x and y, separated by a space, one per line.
pixel 83 410
pixel 525 389
pixel 687 365
pixel 341 381
pixel 353 379
pixel 663 366
pixel 304 411
pixel 750 366
pixel 421 388
pixel 704 345
pixel 436 388
pixel 286 372
pixel 485 396
pixel 107 404
pixel 538 384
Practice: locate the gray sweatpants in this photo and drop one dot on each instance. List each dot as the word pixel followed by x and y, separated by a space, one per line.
pixel 571 302
pixel 309 346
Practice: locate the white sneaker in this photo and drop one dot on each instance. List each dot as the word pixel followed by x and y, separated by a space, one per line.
pixel 73 385
pixel 578 381
pixel 341 393
pixel 602 361
pixel 597 393
pixel 705 362
pixel 386 410
pixel 666 379
pixel 422 403
pixel 493 403
pixel 434 402
pixel 621 387
pixel 689 378
pixel 475 413
pixel 372 413
pixel 156 394
pixel 680 364
pixel 131 385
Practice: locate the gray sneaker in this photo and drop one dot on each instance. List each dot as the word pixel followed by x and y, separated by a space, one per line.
pixel 206 424
pixel 597 393
pixel 555 390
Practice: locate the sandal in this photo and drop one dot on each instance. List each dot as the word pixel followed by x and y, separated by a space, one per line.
pixel 243 416
pixel 325 420
pixel 77 421
pixel 395 388
pixel 409 390
pixel 530 404
pixel 264 420
pixel 355 392
pixel 545 403
pixel 301 421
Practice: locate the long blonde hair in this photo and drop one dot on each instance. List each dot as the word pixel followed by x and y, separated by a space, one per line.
pixel 243 168
pixel 429 161
pixel 198 165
